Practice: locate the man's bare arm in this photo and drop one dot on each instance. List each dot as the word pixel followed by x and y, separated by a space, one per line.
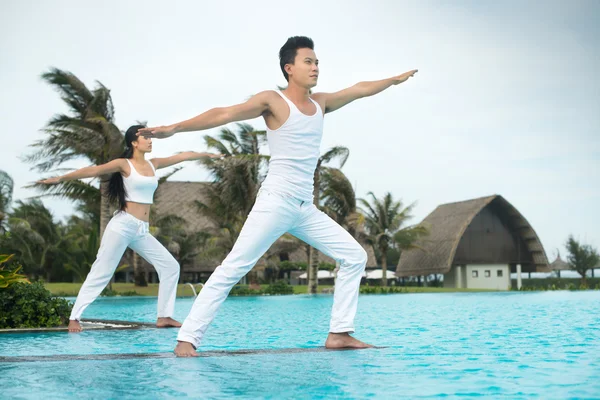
pixel 256 106
pixel 337 100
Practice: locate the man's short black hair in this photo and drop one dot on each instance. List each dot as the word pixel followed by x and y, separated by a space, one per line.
pixel 288 52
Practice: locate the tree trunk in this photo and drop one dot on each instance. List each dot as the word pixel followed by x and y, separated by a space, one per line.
pixel 384 281
pixel 583 278
pixel 308 254
pixel 104 207
pixel 313 282
pixel 138 273
pixel 105 215
pixel 313 257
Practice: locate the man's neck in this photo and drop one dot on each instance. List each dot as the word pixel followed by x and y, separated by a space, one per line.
pixel 297 93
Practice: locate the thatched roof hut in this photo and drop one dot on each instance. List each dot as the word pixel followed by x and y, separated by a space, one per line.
pixel 559 264
pixel 483 230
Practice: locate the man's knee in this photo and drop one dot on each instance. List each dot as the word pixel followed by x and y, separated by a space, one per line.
pixel 173 268
pixel 362 257
pixel 235 270
pixel 358 257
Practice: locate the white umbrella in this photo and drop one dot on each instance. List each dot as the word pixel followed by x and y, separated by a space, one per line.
pixel 320 275
pixel 378 274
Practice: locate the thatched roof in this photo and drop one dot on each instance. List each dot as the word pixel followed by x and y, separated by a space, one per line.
pixel 559 264
pixel 178 198
pixel 447 224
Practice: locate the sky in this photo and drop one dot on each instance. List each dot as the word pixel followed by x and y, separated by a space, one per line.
pixel 506 101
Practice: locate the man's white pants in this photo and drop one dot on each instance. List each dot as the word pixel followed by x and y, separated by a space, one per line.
pixel 272 216
pixel 124 230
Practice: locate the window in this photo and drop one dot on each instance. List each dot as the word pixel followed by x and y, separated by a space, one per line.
pixel 488 273
pixel 499 273
pixel 475 274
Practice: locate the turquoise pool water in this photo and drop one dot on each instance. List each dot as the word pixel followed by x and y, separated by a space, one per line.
pixel 494 345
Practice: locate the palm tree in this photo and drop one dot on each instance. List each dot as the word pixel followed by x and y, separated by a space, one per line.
pixel 227 223
pixel 6 192
pixel 87 131
pixel 236 180
pixel 384 219
pixel 238 176
pixel 581 258
pixel 340 154
pixel 35 237
pixel 82 245
pixel 339 199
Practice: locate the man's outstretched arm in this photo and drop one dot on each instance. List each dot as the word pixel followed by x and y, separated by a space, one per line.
pixel 334 101
pixel 256 106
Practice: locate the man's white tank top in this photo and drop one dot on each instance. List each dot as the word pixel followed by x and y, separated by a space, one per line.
pixel 295 150
pixel 140 188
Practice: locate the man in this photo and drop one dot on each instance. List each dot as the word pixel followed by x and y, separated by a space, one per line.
pixel 294 119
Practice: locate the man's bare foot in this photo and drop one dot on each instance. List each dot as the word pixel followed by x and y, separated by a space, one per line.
pixel 74 326
pixel 167 323
pixel 344 341
pixel 185 349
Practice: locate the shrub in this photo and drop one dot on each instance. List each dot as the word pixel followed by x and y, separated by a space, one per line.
pixel 109 292
pixel 292 266
pixel 10 276
pixel 32 306
pixel 243 290
pixel 326 266
pixel 556 284
pixel 382 290
pixel 129 293
pixel 279 287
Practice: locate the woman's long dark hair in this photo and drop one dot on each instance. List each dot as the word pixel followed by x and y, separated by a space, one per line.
pixel 116 188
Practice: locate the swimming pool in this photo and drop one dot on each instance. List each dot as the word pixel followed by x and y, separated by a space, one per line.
pixel 494 345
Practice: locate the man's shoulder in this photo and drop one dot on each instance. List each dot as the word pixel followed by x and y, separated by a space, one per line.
pixel 268 93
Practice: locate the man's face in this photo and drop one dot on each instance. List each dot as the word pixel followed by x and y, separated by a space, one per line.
pixel 305 70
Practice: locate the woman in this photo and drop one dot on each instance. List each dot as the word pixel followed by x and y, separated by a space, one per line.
pixel 132 185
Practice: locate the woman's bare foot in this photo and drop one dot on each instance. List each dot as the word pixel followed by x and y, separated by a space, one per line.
pixel 167 322
pixel 74 326
pixel 344 341
pixel 185 349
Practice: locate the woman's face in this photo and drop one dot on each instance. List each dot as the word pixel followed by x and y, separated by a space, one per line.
pixel 143 144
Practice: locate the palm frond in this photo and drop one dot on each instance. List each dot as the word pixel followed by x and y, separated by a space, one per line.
pixel 340 153
pixel 164 178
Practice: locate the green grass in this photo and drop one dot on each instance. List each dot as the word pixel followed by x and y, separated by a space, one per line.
pixel 303 289
pixel 71 289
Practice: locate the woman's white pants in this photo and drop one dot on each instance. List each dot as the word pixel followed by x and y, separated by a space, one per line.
pixel 124 230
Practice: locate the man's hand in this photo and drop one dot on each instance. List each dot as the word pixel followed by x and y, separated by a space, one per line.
pixel 160 132
pixel 404 77
pixel 50 181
